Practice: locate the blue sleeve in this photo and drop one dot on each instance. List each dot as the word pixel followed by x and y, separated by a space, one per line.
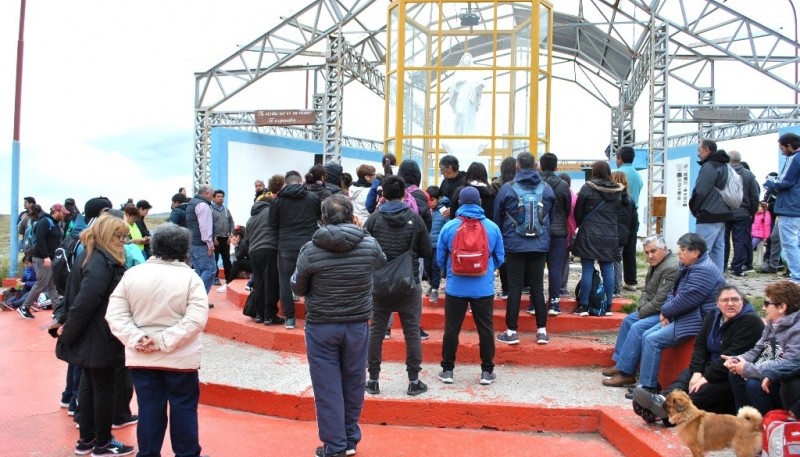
pixel 372 196
pixel 692 293
pixel 790 178
pixel 443 246
pixel 500 204
pixel 498 251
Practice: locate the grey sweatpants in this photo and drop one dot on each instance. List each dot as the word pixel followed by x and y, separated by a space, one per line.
pixel 44 280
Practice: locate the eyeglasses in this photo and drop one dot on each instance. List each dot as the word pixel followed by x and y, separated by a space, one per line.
pixel 769 302
pixel 121 237
pixel 730 300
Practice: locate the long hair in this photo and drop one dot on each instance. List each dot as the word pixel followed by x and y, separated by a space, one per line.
pixel 101 234
pixel 620 178
pixel 508 169
pixel 601 170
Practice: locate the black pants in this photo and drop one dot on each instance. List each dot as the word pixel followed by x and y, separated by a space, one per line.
pixel 715 397
pixel 287 262
pixel 455 308
pixel 96 400
pixel 238 266
pixel 223 249
pixel 742 243
pixel 265 282
pixel 409 310
pixel 629 254
pixel 524 267
pixel 790 395
pixel 123 393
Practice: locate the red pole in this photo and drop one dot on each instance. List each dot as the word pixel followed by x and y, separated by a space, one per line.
pixel 18 88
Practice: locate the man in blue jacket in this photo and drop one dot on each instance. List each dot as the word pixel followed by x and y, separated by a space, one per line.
pixel 787 204
pixel 463 291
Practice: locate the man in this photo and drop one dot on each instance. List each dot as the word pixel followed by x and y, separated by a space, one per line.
pixel 260 189
pixel 787 204
pixel 557 254
pixel 453 179
pixel 333 177
pixel 659 281
pixel 24 217
pixel 525 255
pixel 625 157
pixel 143 206
pixel 462 291
pixel 706 203
pixel 178 214
pixel 294 214
pixel 692 297
pixel 739 227
pixel 337 315
pixel 48 237
pixel 772 254
pixel 199 221
pixel 223 226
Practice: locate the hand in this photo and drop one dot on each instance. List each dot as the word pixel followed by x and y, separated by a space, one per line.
pixel 146 345
pixel 216 242
pixel 663 320
pixel 47 262
pixel 765 384
pixel 60 330
pixel 211 250
pixel 734 364
pixel 356 220
pixel 700 382
pixel 445 212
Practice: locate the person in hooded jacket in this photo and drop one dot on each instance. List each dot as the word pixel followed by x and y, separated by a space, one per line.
pixel 452 178
pixel 333 177
pixel 359 191
pixel 315 182
pixel 295 214
pixel 412 176
pixel 178 214
pixel 394 225
pixel 524 255
pixel 478 178
pixel 597 215
pixel 389 162
pixel 262 245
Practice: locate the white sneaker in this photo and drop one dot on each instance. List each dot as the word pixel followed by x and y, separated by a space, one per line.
pixel 222 289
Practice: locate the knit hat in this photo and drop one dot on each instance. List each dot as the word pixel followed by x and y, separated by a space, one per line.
pixel 469 194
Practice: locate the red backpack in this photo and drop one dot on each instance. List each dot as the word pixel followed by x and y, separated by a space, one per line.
pixel 469 255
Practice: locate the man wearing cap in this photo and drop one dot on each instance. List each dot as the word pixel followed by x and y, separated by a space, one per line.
pixel 48 237
pixel 144 208
pixel 463 291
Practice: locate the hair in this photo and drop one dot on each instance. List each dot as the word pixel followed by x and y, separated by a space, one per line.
pixel 337 209
pixel 316 173
pixel 657 239
pixel 219 191
pixel 258 181
pixel 36 211
pixel 477 172
pixel 710 144
pixel 292 177
pixel 434 192
pixel 391 157
pixel 347 180
pixel 181 190
pixel 365 170
pixel 601 170
pixel 394 187
pixel 30 200
pixel 94 206
pixel 508 169
pixel 448 161
pixel 180 198
pixel 693 242
pixel 566 178
pixel 620 178
pixel 101 234
pixel 548 161
pixel 143 204
pixel 789 139
pixel 131 210
pixel 728 286
pixel 239 231
pixel 626 154
pixel 276 182
pixel 204 189
pixel 27 258
pixel 735 156
pixel 784 291
pixel 170 242
pixel 526 160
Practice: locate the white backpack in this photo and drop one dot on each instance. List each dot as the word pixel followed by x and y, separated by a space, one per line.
pixel 732 193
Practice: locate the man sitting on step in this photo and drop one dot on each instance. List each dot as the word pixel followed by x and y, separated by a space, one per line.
pixel 658 282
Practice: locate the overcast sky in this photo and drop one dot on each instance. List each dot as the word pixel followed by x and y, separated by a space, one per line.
pixel 108 93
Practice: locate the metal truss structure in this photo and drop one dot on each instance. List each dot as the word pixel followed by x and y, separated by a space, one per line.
pixel 614 50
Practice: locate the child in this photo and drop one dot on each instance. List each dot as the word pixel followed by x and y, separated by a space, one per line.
pixel 761 225
pixel 432 271
pixel 24 285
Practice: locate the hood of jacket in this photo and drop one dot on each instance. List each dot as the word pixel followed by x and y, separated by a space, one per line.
pixel 333 173
pixel 528 177
pixel 719 156
pixel 258 207
pixel 396 213
pixel 609 190
pixel 471 210
pixel 294 191
pixel 338 238
pixel 409 171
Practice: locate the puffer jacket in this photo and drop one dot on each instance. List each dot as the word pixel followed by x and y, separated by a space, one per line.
pixel 787 188
pixel 506 207
pixel 409 171
pixel 731 337
pixel 333 294
pixel 260 235
pixel 693 296
pixel 487 194
pixel 358 195
pixel 657 284
pixel 166 301
pixel 178 215
pixel 563 203
pixel 597 213
pixel 448 186
pixel 787 333
pixel 706 203
pixel 438 220
pixel 295 214
pixel 761 225
pixel 86 340
pixel 393 226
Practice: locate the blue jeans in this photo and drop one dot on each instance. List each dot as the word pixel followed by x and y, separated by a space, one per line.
pixel 714 234
pixel 748 392
pixel 204 265
pixel 628 349
pixel 606 271
pixel 654 340
pixel 337 354
pixel 154 390
pixel 790 236
pixel 432 270
pixel 555 266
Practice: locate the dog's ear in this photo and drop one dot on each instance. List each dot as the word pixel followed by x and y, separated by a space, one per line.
pixel 680 407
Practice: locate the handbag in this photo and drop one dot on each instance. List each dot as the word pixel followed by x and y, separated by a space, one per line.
pixel 397 277
pixel 772 351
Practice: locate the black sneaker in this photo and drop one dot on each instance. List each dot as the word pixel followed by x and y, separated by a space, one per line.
pixel 649 405
pixel 767 270
pixel 84 447
pixel 113 447
pixel 373 388
pixel 259 319
pixel 531 310
pixel 423 335
pixel 320 452
pixel 416 388
pixel 581 311
pixel 133 419
pixel 25 313
pixel 277 320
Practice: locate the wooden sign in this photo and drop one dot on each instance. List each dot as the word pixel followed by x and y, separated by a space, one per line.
pixel 286 117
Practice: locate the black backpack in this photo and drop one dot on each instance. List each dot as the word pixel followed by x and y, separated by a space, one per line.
pixel 64 260
pixel 598 304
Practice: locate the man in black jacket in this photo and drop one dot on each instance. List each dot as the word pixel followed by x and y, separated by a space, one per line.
pixel 453 179
pixel 337 316
pixel 739 227
pixel 557 254
pixel 48 237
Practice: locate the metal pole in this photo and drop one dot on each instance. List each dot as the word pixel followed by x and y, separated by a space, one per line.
pixel 15 150
pixel 794 13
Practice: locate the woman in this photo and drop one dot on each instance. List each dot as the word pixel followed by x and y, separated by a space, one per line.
pixel 85 339
pixel 597 215
pixel 158 312
pixel 241 256
pixel 263 250
pixel 478 178
pixel 136 238
pixel 315 182
pixel 779 343
pixel 628 222
pixel 508 169
pixel 360 189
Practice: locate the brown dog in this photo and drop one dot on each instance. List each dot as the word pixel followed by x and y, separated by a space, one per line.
pixel 702 431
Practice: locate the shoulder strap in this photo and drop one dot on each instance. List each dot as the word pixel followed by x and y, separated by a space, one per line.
pixel 602 202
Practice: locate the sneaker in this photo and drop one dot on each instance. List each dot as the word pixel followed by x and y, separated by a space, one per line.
pixel 277 320
pixel 738 274
pixel 649 404
pixel 502 295
pixel 434 296
pixel 25 313
pixel 581 311
pixel 446 376
pixel 133 419
pixel 423 335
pixel 553 312
pixel 487 378
pixel 248 288
pixel 542 338
pixel 216 282
pixel 508 339
pixel 73 406
pixel 64 404
pixel 289 323
pixel 84 447
pixel 259 319
pixel 373 388
pixel 531 310
pixel 351 451
pixel 222 289
pixel 416 388
pixel 388 334
pixel 619 380
pixel 320 452
pixel 747 270
pixel 631 287
pixel 767 270
pixel 5 307
pixel 113 447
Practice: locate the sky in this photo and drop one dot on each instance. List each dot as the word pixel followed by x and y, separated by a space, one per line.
pixel 108 94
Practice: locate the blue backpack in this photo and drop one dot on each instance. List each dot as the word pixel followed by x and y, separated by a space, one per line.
pixel 598 304
pixel 530 219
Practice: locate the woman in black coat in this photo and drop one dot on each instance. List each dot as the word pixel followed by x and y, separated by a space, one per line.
pixel 85 339
pixel 478 178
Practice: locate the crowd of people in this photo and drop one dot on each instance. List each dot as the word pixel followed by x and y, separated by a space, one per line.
pixel 123 323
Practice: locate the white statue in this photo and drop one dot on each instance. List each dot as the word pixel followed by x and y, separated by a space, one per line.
pixel 465 97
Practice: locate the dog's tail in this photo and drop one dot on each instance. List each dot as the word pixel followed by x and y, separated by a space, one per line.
pixel 752 416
